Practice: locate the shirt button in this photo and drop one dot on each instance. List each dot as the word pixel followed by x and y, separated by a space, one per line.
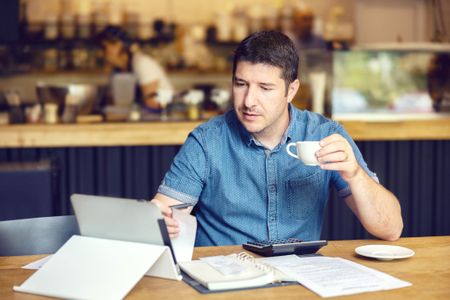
pixel 272 188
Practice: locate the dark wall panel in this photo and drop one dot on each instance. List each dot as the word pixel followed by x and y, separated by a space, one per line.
pixel 418 173
pixel 26 190
pixel 132 172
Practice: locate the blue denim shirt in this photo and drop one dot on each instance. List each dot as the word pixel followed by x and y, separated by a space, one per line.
pixel 243 191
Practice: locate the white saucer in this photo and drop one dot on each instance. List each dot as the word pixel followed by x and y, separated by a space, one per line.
pixel 384 252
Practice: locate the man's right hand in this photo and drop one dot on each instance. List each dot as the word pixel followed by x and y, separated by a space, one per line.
pixel 172 225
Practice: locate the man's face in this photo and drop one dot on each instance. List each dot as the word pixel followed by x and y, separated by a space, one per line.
pixel 112 51
pixel 260 99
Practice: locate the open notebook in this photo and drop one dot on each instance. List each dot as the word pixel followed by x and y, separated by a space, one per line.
pixel 326 276
pixel 235 271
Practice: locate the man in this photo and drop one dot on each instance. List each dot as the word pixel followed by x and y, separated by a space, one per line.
pixel 236 173
pixel 124 56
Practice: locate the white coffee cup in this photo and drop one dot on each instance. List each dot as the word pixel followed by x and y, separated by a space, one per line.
pixel 306 152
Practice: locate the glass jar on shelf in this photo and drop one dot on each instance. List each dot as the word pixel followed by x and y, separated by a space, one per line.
pixel 84 26
pixel 51 30
pixel 193 99
pixel 50 59
pixel 68 28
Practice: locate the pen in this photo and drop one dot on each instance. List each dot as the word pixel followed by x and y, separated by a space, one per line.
pixel 181 206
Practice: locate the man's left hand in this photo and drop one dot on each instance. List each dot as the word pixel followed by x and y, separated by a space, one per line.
pixel 337 154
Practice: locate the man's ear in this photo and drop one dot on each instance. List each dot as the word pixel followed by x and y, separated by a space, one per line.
pixel 292 90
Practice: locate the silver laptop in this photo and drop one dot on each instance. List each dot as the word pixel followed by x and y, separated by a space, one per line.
pixel 120 219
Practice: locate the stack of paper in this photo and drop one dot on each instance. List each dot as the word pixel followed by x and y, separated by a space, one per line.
pixel 334 276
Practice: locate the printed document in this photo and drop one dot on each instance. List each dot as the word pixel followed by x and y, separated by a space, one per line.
pixel 334 276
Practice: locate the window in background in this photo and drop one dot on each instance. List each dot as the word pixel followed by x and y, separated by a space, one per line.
pixel 388 81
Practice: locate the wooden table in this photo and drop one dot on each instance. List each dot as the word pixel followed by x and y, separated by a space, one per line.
pixel 428 271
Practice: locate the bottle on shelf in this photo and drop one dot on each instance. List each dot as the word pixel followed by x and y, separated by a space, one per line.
pixel 84 26
pixel 51 28
pixel 23 19
pixel 68 26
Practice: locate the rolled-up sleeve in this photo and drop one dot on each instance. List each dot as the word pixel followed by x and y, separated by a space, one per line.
pixel 186 177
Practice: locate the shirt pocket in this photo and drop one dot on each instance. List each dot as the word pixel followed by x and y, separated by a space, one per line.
pixel 303 195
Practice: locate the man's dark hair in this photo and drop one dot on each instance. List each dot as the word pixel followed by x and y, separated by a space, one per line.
pixel 272 48
pixel 113 34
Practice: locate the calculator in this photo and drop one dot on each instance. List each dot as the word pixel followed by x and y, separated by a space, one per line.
pixel 284 247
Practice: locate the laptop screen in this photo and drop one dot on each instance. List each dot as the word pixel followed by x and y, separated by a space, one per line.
pixel 118 218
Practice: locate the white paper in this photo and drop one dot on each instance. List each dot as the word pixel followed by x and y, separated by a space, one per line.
pixel 37 264
pixel 334 276
pixel 92 268
pixel 226 265
pixel 183 244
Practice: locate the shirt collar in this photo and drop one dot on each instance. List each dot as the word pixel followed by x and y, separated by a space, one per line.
pixel 290 131
pixel 234 122
pixel 248 139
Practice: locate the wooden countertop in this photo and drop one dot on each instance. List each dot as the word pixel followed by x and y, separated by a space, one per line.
pixel 396 130
pixel 175 133
pixel 428 271
pixel 98 134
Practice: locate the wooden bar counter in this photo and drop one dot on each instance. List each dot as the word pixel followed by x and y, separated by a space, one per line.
pixel 98 134
pixel 175 133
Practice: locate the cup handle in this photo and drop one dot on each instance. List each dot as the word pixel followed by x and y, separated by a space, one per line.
pixel 288 150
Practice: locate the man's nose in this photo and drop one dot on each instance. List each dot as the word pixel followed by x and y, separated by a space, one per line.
pixel 250 97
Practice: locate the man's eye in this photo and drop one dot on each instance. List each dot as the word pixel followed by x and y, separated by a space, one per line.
pixel 239 83
pixel 264 88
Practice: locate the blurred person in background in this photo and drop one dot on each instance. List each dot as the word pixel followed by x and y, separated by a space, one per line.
pixel 125 56
pixel 303 35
